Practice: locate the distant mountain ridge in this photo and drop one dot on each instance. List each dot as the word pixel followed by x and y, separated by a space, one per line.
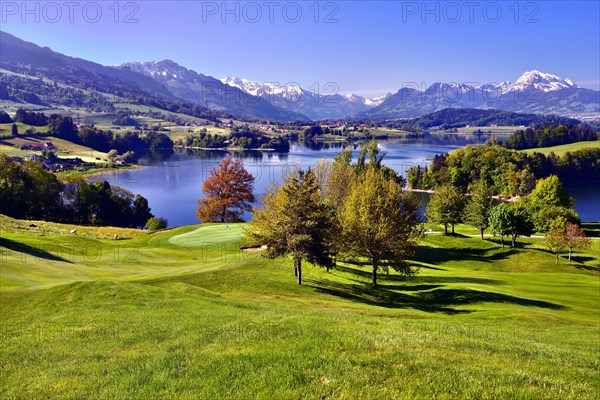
pixel 533 92
pixel 294 98
pixel 170 86
pixel 209 92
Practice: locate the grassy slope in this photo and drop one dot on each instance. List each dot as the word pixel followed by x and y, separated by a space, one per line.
pixel 185 313
pixel 64 148
pixel 562 149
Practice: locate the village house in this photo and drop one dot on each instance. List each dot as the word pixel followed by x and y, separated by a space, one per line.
pixel 33 157
pixel 37 146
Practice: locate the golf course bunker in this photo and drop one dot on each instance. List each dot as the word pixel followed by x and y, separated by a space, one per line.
pixel 210 234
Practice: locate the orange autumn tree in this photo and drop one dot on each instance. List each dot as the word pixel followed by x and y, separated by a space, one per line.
pixel 228 192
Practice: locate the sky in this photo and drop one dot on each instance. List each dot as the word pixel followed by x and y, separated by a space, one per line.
pixel 368 48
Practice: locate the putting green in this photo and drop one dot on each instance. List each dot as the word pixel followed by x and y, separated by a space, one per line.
pixel 209 234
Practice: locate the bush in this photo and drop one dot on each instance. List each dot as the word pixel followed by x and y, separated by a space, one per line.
pixel 155 224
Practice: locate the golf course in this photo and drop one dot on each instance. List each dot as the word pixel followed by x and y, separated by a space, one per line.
pixel 190 313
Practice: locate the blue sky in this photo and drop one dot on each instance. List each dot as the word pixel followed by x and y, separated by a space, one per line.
pixel 363 47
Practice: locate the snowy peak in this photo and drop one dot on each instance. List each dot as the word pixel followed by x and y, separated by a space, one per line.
pixel 539 81
pixel 166 69
pixel 452 87
pixel 293 91
pixel 287 91
pixel 375 101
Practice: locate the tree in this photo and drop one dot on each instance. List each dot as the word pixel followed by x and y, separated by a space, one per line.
pixel 142 213
pixel 381 222
pixel 4 117
pixel 500 221
pixel 521 224
pixel 294 221
pixel 477 211
pixel 575 238
pixel 112 154
pixel 340 178
pixel 228 192
pixel 549 192
pixel 510 220
pixel 155 224
pixel 556 239
pixel 14 130
pixel 445 207
pixel 62 127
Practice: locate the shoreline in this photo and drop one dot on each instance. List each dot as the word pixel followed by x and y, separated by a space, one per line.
pixel 431 191
pixel 223 148
pixel 88 176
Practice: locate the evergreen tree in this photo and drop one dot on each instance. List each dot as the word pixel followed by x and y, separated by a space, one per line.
pixel 295 221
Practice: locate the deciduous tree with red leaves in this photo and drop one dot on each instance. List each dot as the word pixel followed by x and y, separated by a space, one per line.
pixel 228 192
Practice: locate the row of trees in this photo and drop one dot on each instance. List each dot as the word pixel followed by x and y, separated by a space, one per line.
pixel 105 141
pixel 549 135
pixel 28 191
pixel 245 138
pixel 334 210
pixel 546 210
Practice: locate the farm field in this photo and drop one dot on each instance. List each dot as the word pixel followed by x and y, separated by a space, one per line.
pixel 64 148
pixel 562 149
pixel 186 313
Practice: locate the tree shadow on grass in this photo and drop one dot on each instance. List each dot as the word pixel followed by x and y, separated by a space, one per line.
pixel 433 255
pixel 32 251
pixel 595 268
pixel 436 300
pixel 367 274
pixel 583 259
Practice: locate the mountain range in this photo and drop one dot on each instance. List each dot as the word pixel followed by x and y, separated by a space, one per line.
pixel 316 106
pixel 533 92
pixel 208 91
pixel 38 75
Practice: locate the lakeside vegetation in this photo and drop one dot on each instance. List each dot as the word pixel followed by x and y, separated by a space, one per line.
pixel 29 191
pixel 508 172
pixel 550 135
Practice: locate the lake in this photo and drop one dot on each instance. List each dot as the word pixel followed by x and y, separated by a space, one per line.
pixel 173 184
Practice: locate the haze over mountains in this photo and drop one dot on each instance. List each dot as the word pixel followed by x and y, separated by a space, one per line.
pixel 164 83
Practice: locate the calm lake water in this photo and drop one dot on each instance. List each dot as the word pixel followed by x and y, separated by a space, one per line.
pixel 173 183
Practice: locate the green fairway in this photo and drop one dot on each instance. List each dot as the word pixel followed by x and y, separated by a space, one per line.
pixel 562 149
pixel 219 233
pixel 186 313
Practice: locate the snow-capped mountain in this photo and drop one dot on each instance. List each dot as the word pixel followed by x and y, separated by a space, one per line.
pixel 288 91
pixel 533 92
pixel 292 97
pixel 367 101
pixel 375 101
pixel 538 81
pixel 208 91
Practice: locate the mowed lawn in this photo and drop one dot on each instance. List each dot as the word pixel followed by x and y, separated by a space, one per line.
pixel 186 313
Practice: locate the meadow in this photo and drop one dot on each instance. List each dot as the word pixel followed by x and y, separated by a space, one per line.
pixel 564 148
pixel 186 313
